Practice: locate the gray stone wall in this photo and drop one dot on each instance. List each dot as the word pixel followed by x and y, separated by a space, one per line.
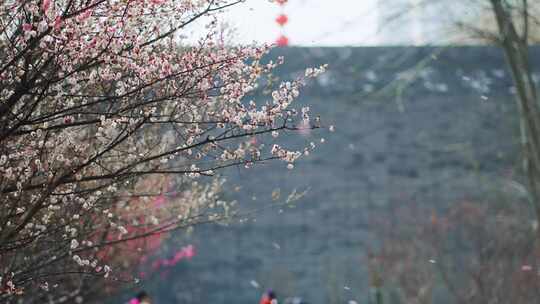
pixel 412 124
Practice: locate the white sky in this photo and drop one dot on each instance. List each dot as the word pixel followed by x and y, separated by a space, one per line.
pixel 311 22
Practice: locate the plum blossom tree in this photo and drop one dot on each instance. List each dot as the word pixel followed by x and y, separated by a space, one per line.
pixel 98 96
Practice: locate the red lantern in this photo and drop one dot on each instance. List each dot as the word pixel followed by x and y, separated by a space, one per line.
pixel 282 19
pixel 282 41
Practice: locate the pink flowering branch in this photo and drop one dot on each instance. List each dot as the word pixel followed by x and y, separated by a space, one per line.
pixel 101 102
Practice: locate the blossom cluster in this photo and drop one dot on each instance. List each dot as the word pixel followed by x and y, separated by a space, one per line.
pixel 103 108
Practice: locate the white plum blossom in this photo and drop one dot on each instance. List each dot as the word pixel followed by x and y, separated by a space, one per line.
pixel 110 125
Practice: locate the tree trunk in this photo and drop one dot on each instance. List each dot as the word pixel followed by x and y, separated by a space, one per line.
pixel 516 51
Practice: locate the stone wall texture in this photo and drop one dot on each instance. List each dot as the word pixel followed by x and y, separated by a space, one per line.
pixel 435 125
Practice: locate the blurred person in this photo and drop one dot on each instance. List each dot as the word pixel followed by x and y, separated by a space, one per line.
pixel 141 298
pixel 269 297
